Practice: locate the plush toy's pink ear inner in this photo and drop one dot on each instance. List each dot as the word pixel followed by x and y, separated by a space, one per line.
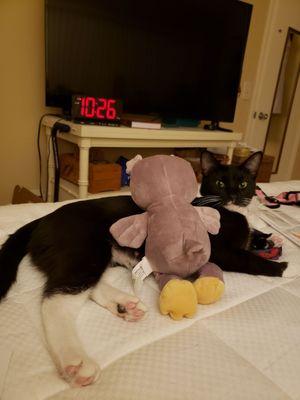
pixel 210 218
pixel 131 163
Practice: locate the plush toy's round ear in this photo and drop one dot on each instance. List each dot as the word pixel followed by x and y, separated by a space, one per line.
pixel 130 164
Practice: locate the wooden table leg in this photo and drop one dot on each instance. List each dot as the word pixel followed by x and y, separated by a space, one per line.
pixel 83 181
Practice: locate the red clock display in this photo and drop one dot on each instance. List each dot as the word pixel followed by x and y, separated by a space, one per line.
pixel 96 109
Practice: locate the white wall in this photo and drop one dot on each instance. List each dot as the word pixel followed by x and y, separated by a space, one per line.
pixel 22 92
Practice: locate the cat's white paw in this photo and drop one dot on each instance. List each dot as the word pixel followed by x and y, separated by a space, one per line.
pixel 80 371
pixel 132 311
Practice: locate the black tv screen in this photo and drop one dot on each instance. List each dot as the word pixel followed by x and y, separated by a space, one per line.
pixel 175 59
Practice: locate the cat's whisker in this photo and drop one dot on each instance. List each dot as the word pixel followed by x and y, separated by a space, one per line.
pixel 210 197
pixel 244 204
pixel 216 204
pixel 205 202
pixel 245 201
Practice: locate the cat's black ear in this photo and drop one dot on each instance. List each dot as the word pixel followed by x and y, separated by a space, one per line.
pixel 208 162
pixel 252 163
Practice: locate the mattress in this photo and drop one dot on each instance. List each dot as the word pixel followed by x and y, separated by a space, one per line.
pixel 246 346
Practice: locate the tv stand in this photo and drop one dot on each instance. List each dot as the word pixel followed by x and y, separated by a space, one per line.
pixel 87 136
pixel 214 126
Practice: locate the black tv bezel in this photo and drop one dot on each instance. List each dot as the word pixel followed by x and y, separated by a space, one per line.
pixel 64 101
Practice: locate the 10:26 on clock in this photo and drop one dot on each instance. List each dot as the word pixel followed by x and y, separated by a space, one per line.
pixel 96 110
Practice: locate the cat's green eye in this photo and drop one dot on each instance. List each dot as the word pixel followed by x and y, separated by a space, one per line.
pixel 243 185
pixel 220 184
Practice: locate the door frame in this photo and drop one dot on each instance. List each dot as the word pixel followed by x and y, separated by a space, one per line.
pixel 290 108
pixel 282 15
pixel 250 138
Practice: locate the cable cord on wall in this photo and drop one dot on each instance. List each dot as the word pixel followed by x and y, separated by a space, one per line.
pixel 58 127
pixel 39 153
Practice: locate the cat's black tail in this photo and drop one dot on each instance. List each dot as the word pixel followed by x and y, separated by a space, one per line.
pixel 11 253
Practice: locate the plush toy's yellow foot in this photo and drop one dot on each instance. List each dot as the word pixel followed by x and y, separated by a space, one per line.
pixel 179 299
pixel 209 289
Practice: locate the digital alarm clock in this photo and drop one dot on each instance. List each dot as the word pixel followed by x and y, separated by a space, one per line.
pixel 96 110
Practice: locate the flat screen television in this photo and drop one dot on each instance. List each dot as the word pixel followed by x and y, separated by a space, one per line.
pixel 175 59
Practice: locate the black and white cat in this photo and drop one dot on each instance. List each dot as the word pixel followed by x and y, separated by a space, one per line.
pixel 72 247
pixel 230 189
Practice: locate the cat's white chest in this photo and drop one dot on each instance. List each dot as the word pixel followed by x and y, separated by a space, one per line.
pixel 242 210
pixel 249 213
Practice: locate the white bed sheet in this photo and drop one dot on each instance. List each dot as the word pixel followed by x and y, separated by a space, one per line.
pixel 250 339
